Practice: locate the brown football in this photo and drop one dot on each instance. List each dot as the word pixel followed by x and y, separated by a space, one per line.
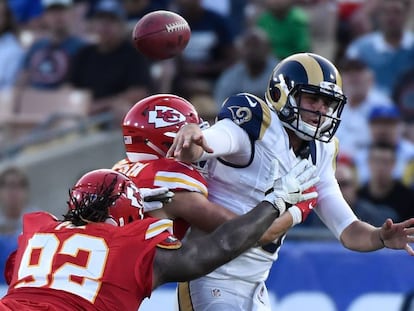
pixel 161 34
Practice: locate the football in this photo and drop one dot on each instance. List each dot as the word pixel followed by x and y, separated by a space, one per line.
pixel 161 34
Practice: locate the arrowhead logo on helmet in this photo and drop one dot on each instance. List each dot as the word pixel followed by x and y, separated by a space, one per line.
pixel 150 125
pixel 163 116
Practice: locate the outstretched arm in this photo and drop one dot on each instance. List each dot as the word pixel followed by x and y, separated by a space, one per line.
pixel 363 237
pixel 223 139
pixel 202 255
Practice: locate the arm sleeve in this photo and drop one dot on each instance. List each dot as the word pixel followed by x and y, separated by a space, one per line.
pixel 227 140
pixel 332 208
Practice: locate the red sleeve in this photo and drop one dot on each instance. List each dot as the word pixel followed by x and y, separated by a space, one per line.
pixel 146 274
pixel 158 234
pixel 8 269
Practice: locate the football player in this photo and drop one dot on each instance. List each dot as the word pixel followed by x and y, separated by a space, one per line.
pixel 149 128
pixel 298 119
pixel 105 255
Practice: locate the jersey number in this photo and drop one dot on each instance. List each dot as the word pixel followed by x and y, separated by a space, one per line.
pixel 36 267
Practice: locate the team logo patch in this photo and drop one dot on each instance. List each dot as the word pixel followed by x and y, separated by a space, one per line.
pixel 240 115
pixel 163 116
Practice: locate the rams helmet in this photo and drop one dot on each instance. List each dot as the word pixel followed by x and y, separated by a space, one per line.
pixel 312 74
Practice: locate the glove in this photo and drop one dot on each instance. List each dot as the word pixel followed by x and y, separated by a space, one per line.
pixel 290 187
pixel 301 210
pixel 154 199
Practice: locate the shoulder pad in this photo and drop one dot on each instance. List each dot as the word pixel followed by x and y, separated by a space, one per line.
pixel 178 176
pixel 162 226
pixel 34 220
pixel 249 112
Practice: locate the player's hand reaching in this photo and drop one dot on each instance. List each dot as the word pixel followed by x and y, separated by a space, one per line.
pixel 189 144
pixel 290 188
pixel 301 210
pixel 154 199
pixel 398 235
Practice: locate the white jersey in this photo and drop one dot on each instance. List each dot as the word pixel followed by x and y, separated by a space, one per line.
pixel 241 187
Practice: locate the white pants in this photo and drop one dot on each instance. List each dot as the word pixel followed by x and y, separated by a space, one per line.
pixel 207 294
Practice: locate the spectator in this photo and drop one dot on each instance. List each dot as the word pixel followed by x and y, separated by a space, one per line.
pixel 27 12
pixel 253 69
pixel 408 177
pixel 357 78
pixel 11 51
pixel 14 203
pixel 385 127
pixel 383 196
pixel 116 74
pixel 209 52
pixel 287 27
pixel 234 10
pixel 390 49
pixel 48 61
pixel 347 176
pixel 322 17
pixel 354 20
pixel 403 96
pixel 14 200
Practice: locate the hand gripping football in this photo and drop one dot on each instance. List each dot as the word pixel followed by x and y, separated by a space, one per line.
pixel 161 34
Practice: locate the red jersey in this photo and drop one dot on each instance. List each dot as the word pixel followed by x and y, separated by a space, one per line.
pixel 165 172
pixel 59 266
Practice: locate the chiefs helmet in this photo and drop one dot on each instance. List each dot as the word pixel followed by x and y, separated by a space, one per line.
pixel 312 74
pixel 151 124
pixel 104 194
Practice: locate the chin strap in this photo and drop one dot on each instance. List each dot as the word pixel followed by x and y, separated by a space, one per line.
pixel 155 148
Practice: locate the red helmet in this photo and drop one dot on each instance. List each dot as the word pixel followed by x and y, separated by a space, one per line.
pixel 105 193
pixel 150 125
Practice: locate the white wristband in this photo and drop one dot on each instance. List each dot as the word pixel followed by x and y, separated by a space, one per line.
pixel 296 214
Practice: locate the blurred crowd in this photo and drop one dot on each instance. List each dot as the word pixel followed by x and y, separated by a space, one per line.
pixel 70 59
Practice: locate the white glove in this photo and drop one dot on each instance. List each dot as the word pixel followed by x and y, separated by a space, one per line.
pixel 290 187
pixel 153 199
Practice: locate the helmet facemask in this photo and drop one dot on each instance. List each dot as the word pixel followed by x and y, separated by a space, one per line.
pixel 311 75
pixel 326 124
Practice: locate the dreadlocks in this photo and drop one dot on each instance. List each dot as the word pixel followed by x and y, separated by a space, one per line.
pixel 92 207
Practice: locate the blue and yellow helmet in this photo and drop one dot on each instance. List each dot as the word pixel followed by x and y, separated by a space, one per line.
pixel 312 74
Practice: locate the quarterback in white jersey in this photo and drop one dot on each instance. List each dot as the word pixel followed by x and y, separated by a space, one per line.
pixel 304 101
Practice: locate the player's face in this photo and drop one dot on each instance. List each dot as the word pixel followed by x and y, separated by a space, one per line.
pixel 317 106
